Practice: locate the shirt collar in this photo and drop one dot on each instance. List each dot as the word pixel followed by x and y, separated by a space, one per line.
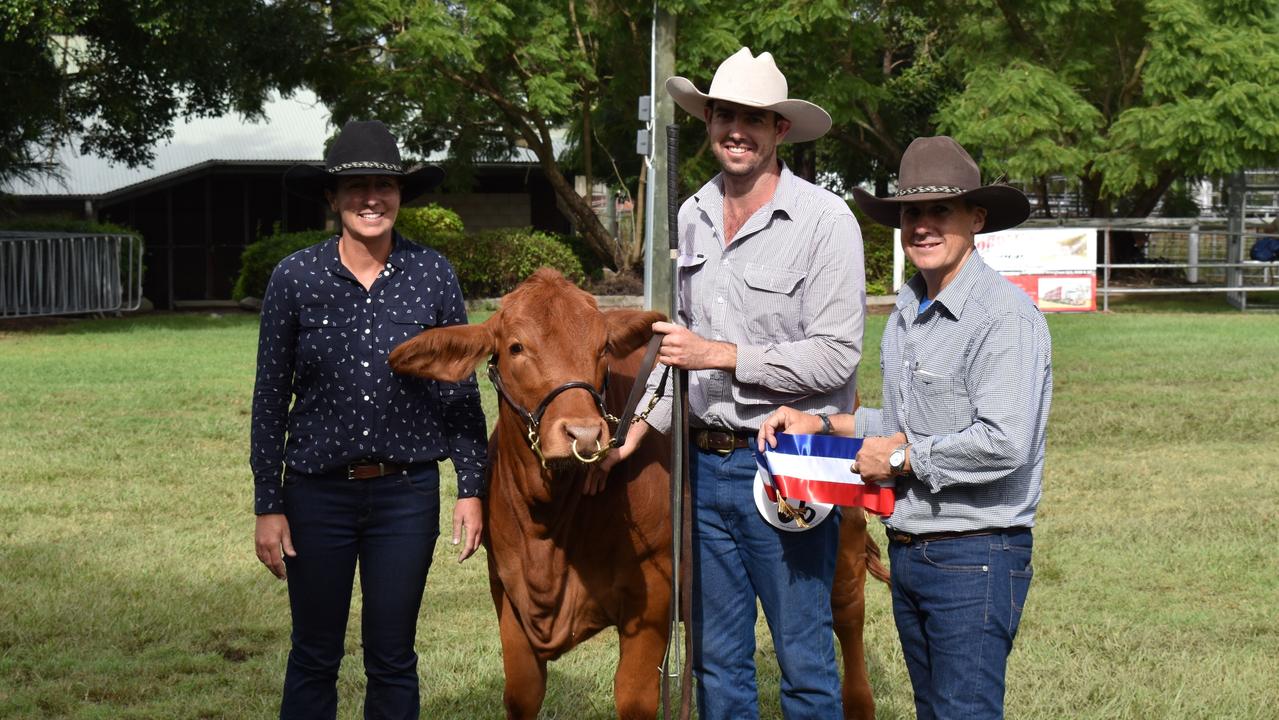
pixel 398 258
pixel 710 197
pixel 954 297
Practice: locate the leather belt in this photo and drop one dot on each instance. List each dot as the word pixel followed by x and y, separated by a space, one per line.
pixel 371 470
pixel 911 539
pixel 723 441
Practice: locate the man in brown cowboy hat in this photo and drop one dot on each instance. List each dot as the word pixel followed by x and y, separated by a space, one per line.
pixel 967 365
pixel 773 292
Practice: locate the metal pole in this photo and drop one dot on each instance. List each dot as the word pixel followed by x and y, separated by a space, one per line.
pixel 672 666
pixel 656 265
pixel 1192 254
pixel 1105 274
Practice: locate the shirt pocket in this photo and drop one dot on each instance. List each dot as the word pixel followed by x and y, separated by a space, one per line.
pixel 409 320
pixel 772 302
pixel 323 334
pixel 937 404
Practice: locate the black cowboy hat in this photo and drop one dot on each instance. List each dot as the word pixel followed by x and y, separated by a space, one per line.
pixel 938 168
pixel 364 147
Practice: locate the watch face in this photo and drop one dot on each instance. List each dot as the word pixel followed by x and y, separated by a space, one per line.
pixel 897 459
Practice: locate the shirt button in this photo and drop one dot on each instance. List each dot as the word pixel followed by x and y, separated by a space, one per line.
pixel 719 300
pixel 366 432
pixel 368 300
pixel 367 331
pixel 325 321
pixel 366 397
pixel 365 363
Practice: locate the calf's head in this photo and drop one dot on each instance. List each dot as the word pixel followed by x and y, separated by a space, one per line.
pixel 547 334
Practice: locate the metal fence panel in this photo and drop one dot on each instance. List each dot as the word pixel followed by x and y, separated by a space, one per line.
pixel 47 273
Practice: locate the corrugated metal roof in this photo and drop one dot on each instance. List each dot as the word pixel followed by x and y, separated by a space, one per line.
pixel 294 130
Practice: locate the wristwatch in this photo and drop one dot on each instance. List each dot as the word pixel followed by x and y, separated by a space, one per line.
pixel 825 424
pixel 897 459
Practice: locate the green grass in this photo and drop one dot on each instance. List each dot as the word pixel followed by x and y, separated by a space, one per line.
pixel 129 587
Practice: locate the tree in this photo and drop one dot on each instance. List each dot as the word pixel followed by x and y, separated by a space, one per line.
pixel 485 77
pixel 113 75
pixel 1126 95
pixel 874 65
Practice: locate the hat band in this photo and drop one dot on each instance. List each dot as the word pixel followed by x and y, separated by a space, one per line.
pixel 930 189
pixel 364 164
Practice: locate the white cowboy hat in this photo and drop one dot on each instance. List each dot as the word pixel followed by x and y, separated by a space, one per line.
pixel 754 82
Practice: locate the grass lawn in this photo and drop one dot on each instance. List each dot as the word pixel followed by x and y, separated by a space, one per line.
pixel 130 589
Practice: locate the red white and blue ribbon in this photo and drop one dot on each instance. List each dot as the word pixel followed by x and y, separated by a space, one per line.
pixel 817 469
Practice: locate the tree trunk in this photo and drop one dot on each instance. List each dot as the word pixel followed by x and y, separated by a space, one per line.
pixel 638 218
pixel 582 216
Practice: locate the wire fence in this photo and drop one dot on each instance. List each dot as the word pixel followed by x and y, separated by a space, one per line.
pixel 49 273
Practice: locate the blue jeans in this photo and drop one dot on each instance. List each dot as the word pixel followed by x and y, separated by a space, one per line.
pixel 957 604
pixel 739 557
pixel 388 526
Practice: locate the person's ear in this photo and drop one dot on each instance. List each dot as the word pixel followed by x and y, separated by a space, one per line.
pixel 979 219
pixel 783 127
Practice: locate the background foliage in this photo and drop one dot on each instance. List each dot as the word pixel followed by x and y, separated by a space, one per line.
pixel 488 264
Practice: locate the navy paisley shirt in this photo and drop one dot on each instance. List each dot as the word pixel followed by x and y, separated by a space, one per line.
pixel 323 345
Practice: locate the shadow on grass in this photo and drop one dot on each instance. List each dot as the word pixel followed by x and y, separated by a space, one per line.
pixel 124 324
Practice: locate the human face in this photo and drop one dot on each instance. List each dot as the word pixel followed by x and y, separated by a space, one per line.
pixel 937 236
pixel 744 139
pixel 366 205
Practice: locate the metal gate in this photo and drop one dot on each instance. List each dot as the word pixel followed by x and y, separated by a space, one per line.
pixel 51 273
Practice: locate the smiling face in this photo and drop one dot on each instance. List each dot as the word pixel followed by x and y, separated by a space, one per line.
pixel 744 139
pixel 366 205
pixel 937 236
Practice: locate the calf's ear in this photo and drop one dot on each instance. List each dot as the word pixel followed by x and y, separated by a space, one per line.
pixel 447 353
pixel 629 329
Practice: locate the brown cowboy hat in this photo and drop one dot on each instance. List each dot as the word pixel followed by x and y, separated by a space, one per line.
pixel 364 147
pixel 938 168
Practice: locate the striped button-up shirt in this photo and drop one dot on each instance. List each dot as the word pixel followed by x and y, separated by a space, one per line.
pixel 969 381
pixel 323 345
pixel 789 292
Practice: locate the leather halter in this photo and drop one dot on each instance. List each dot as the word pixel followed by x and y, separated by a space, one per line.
pixel 533 420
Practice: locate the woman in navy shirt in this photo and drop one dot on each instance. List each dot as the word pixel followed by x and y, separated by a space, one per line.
pixel 344 451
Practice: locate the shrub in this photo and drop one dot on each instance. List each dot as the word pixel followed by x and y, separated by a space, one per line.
pixel 493 262
pixel 421 223
pixel 260 258
pixel 877 244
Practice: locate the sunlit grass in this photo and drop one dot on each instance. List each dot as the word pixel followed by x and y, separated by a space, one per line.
pixel 129 588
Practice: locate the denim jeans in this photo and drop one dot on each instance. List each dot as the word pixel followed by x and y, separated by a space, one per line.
pixel 957 604
pixel 388 527
pixel 738 557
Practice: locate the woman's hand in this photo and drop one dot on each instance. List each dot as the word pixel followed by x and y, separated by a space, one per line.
pixel 272 539
pixel 468 518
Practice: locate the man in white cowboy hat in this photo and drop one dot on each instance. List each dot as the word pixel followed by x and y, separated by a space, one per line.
pixel 772 304
pixel 967 364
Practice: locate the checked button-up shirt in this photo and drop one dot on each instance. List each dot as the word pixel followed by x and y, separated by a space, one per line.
pixel 969 381
pixel 323 347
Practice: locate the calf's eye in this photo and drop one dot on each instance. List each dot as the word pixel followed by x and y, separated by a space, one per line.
pixel 516 348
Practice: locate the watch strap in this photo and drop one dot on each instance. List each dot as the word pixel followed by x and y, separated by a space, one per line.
pixel 826 428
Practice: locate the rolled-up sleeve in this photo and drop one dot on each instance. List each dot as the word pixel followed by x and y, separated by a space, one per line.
pixel 833 309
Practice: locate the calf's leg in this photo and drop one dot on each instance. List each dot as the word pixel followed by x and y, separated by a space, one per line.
pixel 848 611
pixel 525 673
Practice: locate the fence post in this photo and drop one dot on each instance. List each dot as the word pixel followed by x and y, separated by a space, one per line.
pixel 1105 275
pixel 1192 255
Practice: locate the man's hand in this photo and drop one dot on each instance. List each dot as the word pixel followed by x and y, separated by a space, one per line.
pixel 272 540
pixel 468 518
pixel 872 459
pixel 684 349
pixel 789 420
pixel 598 474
